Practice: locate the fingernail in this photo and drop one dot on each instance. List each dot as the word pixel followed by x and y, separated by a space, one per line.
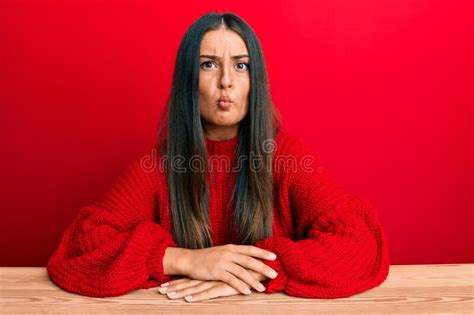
pixel 247 291
pixel 188 297
pixel 261 287
pixel 162 290
pixel 165 284
pixel 171 293
pixel 273 274
pixel 272 256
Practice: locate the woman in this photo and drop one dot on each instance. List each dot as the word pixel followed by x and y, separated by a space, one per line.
pixel 266 216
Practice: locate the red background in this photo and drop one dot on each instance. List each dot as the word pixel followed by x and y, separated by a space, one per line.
pixel 382 90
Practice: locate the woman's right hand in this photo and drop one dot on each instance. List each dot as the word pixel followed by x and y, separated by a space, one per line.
pixel 228 263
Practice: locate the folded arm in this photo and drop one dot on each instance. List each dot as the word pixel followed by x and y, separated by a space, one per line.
pixel 341 248
pixel 114 246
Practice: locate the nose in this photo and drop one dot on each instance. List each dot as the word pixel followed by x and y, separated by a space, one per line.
pixel 225 80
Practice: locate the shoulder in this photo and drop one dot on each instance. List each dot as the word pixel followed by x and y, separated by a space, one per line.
pixel 294 155
pixel 288 143
pixel 285 137
pixel 144 167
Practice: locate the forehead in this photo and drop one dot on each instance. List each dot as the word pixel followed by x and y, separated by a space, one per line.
pixel 222 41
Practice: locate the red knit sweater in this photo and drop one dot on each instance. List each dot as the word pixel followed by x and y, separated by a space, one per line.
pixel 329 244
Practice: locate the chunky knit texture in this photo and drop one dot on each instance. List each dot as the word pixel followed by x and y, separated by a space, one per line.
pixel 329 244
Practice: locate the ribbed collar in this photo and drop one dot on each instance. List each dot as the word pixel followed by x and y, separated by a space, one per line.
pixel 222 147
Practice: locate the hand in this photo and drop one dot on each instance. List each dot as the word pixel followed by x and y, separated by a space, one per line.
pixel 197 290
pixel 228 263
pixel 200 290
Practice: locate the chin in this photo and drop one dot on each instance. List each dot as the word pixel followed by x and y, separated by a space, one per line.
pixel 226 124
pixel 226 119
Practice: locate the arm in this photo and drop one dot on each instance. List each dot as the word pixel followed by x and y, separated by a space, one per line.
pixel 341 248
pixel 114 246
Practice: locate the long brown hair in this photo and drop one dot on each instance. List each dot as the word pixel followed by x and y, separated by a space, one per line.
pixel 181 137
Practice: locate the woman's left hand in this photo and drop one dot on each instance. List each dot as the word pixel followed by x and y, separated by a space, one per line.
pixel 197 290
pixel 201 290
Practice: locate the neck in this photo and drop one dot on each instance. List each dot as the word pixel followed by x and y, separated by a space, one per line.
pixel 220 133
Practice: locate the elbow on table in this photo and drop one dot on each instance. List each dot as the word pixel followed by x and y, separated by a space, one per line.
pixel 87 285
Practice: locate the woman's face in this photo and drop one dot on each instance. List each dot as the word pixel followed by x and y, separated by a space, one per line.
pixel 224 73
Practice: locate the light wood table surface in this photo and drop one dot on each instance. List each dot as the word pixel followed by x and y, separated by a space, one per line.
pixel 408 289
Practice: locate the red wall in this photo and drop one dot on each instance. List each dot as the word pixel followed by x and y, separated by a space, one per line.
pixel 382 90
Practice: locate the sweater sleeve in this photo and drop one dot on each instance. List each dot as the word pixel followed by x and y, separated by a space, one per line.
pixel 340 247
pixel 114 246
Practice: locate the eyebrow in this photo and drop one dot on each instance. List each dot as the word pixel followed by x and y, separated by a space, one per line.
pixel 215 57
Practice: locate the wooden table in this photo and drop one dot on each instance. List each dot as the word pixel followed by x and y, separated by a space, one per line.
pixel 408 289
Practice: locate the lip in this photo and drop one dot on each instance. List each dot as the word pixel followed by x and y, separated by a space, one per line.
pixel 224 98
pixel 224 102
pixel 224 105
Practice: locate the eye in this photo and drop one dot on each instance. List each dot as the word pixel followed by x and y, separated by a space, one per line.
pixel 242 66
pixel 207 64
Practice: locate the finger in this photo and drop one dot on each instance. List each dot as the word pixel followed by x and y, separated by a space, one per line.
pixel 212 293
pixel 165 287
pixel 236 283
pixel 174 281
pixel 254 264
pixel 244 275
pixel 193 290
pixel 183 285
pixel 254 251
